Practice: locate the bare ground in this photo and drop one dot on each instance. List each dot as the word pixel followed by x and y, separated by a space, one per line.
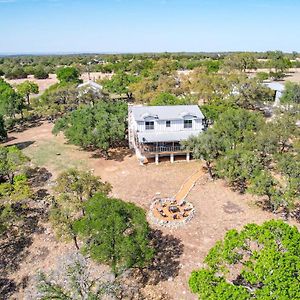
pixel 45 83
pixel 293 74
pixel 217 207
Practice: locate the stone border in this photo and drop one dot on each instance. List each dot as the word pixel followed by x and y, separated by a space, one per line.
pixel 170 224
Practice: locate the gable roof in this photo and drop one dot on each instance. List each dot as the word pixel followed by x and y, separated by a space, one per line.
pixel 90 83
pixel 275 86
pixel 168 112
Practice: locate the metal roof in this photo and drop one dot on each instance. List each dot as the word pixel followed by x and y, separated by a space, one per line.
pixel 90 83
pixel 170 136
pixel 167 112
pixel 275 86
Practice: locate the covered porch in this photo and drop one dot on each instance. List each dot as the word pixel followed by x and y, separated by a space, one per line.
pixel 163 149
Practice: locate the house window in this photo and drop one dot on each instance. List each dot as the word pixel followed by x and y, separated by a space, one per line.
pixel 149 125
pixel 168 123
pixel 188 123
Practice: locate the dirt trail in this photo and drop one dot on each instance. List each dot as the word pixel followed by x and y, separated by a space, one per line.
pixel 188 185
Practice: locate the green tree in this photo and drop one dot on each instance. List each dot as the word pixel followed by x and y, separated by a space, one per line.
pixel 17 191
pixel 79 186
pixel 40 73
pixel 12 160
pixel 240 61
pixel 57 100
pixel 207 146
pixel 260 262
pixel 63 214
pixel 261 76
pixel 234 125
pixel 26 88
pixel 279 62
pixel 16 73
pixel 251 94
pixel 101 126
pixel 210 86
pixel 115 233
pixel 74 189
pixel 264 184
pixel 212 66
pixel 119 84
pixel 3 132
pixel 291 94
pixel 285 128
pixel 238 166
pixel 168 99
pixel 11 103
pixel 215 108
pixel 68 75
pixel 288 164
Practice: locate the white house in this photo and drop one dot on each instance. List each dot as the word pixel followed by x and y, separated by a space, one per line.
pixel 90 86
pixel 156 131
pixel 278 89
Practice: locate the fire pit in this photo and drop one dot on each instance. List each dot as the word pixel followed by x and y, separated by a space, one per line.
pixel 168 212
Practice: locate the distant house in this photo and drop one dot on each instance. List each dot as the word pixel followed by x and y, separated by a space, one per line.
pixel 156 131
pixel 278 89
pixel 90 86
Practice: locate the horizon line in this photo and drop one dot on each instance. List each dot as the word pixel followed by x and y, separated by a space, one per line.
pixel 5 54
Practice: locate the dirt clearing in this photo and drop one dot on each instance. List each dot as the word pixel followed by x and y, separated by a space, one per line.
pixel 217 207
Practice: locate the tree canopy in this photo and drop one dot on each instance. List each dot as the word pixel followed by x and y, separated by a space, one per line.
pixel 241 61
pixel 115 233
pixel 11 160
pixel 3 132
pixel 40 73
pixel 26 88
pixel 168 99
pixel 74 188
pixel 119 83
pixel 259 262
pixel 67 75
pixel 14 185
pixel 101 126
pixel 11 103
pixel 291 94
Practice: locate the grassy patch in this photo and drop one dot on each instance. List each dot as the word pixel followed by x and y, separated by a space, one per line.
pixel 54 154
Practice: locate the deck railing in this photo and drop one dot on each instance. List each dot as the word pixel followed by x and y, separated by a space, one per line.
pixel 159 149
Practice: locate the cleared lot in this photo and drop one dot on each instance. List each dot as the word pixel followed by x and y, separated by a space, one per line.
pixel 217 207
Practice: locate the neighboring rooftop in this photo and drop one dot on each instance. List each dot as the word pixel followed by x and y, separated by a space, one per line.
pixel 91 84
pixel 275 86
pixel 168 112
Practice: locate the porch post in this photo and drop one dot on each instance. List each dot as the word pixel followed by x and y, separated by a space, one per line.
pixel 172 157
pixel 156 159
pixel 188 157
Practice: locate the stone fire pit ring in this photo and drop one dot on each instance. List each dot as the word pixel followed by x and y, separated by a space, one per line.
pixel 168 212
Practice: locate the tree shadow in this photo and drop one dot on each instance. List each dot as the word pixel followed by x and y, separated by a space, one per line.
pixel 10 138
pixel 22 126
pixel 38 176
pixel 166 262
pixel 117 154
pixel 15 243
pixel 164 266
pixel 7 288
pixel 22 145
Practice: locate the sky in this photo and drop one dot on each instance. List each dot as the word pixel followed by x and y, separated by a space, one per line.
pixel 106 26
